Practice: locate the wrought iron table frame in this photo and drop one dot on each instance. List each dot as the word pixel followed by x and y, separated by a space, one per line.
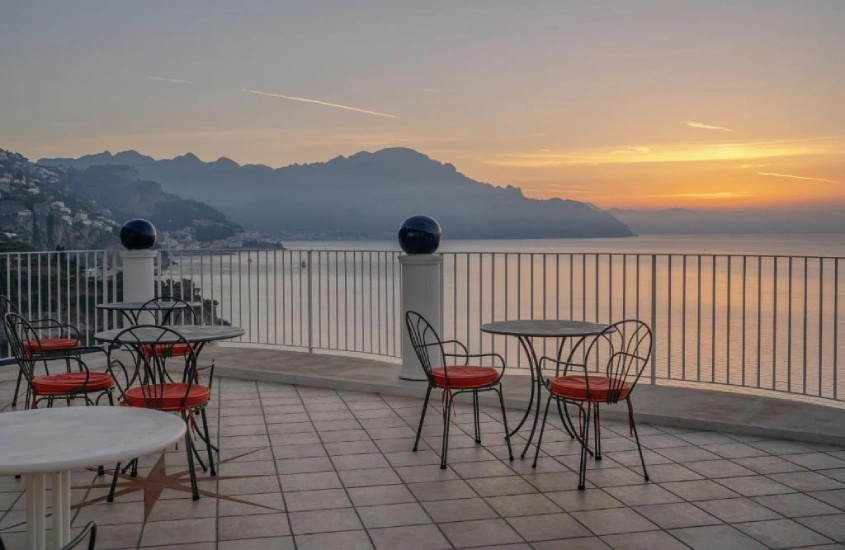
pixel 527 329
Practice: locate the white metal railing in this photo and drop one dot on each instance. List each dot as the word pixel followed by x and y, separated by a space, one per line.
pixel 65 286
pixel 746 321
pixel 763 322
pixel 341 300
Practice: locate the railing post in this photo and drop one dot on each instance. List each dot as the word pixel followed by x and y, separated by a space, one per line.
pixel 654 319
pixel 138 278
pixel 421 292
pixel 310 307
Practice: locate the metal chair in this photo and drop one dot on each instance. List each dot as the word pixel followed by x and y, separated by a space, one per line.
pixel 151 386
pixel 174 317
pixel 618 356
pixel 167 315
pixel 54 347
pixel 453 379
pixel 164 316
pixel 26 343
pixel 89 532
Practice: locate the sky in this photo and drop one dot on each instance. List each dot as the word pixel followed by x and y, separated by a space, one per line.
pixel 647 104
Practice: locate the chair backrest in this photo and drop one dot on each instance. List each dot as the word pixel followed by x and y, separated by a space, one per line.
pixel 23 338
pixel 171 311
pixel 7 306
pixel 426 342
pixel 150 358
pixel 89 532
pixel 622 351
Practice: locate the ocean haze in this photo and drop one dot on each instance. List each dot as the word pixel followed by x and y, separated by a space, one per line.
pixel 674 221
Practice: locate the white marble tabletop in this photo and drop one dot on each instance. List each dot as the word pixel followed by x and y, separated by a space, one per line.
pixel 66 438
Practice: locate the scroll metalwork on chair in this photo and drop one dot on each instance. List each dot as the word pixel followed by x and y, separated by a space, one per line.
pixel 155 385
pixel 56 340
pixel 453 379
pixel 601 370
pixel 170 312
pixel 27 348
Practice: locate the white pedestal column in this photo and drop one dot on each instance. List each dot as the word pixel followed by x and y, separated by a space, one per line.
pixel 139 279
pixel 421 292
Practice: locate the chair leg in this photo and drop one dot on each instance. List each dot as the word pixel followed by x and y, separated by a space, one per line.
pixel 17 388
pixel 582 469
pixel 597 431
pixel 476 416
pixel 445 443
pixel 189 448
pixel 636 436
pixel 422 417
pixel 208 442
pixel 505 421
pixel 542 429
pixel 110 498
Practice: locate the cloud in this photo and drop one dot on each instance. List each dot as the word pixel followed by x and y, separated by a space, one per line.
pixel 703 126
pixel 316 102
pixel 631 149
pixel 538 134
pixel 747 166
pixel 707 151
pixel 716 195
pixel 171 80
pixel 791 176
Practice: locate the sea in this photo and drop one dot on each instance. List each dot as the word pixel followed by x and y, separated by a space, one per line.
pixel 746 311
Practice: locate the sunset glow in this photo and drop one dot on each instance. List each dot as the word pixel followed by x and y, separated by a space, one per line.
pixel 651 104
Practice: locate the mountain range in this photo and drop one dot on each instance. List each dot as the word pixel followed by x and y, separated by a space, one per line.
pixel 684 221
pixel 365 195
pixel 44 208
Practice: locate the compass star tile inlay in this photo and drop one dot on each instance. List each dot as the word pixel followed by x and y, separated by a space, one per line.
pixel 158 480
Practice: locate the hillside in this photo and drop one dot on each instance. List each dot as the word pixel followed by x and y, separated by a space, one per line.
pixel 39 212
pixel 45 208
pixel 121 190
pixel 365 195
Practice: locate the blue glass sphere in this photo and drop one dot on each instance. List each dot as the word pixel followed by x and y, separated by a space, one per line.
pixel 420 235
pixel 138 234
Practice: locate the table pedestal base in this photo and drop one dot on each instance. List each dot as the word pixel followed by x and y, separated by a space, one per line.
pixel 36 522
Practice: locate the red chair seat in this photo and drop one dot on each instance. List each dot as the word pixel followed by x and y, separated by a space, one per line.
pixel 464 377
pixel 575 387
pixel 167 350
pixel 167 397
pixel 64 384
pixel 46 345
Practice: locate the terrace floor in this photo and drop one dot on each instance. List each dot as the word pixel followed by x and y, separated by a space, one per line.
pixel 305 467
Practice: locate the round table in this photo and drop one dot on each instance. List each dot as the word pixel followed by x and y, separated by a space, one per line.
pixel 131 310
pixel 195 334
pixel 525 330
pixel 54 441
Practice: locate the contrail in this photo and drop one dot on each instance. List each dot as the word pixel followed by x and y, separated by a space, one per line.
pixel 171 80
pixel 796 177
pixel 705 126
pixel 316 102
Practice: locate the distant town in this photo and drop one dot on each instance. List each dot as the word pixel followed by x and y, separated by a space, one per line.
pixel 41 208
